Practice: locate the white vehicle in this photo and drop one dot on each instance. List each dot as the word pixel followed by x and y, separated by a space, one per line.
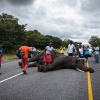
pixel 35 51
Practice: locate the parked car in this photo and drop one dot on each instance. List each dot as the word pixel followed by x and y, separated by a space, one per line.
pixel 30 55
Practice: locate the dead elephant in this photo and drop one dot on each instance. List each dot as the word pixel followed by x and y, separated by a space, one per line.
pixel 65 62
pixel 59 62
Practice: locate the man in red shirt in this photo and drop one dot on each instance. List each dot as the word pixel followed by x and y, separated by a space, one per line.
pixel 24 57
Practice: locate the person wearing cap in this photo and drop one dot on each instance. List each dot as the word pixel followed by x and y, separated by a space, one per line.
pixel 48 57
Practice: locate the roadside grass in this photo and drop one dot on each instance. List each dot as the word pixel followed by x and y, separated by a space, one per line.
pixel 9 57
pixel 57 50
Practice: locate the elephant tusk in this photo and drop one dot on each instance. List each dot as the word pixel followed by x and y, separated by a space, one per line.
pixel 79 70
pixel 81 58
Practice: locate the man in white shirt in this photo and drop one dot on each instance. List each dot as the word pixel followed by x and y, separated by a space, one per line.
pixel 96 52
pixel 70 49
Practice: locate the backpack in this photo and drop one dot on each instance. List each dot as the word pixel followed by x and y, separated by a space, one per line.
pixel 1 52
pixel 21 53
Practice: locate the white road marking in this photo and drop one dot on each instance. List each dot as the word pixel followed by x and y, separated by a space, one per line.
pixel 10 77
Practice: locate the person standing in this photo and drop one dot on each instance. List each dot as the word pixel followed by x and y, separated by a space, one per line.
pixel 84 48
pixel 86 53
pixel 62 49
pixel 71 49
pixel 81 51
pixel 48 57
pixel 1 54
pixel 77 50
pixel 24 56
pixel 96 53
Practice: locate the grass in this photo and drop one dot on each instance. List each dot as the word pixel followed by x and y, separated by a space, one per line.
pixel 13 56
pixel 9 57
pixel 57 50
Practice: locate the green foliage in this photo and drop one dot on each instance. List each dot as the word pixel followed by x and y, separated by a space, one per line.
pixel 11 33
pixel 94 40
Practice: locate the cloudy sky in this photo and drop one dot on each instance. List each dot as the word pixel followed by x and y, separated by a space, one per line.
pixel 67 19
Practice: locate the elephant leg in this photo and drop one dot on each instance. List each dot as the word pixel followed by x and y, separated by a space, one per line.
pixel 57 64
pixel 35 58
pixel 45 68
pixel 19 63
pixel 33 64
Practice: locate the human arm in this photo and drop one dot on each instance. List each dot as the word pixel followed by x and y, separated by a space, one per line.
pixel 55 52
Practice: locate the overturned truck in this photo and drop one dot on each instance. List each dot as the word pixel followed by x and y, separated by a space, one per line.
pixel 59 62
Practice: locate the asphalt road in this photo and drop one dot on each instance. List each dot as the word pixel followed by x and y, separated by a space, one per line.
pixel 64 84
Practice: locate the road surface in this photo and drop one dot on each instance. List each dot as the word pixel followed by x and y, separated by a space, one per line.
pixel 64 84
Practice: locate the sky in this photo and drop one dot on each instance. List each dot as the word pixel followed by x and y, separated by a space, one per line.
pixel 77 20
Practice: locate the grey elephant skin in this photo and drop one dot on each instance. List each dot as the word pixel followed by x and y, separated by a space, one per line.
pixel 59 62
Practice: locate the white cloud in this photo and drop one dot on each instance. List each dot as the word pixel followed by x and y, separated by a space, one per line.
pixel 74 19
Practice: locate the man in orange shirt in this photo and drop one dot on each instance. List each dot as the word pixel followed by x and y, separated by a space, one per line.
pixel 24 56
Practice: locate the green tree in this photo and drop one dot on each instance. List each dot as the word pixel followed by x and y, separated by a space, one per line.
pixel 35 38
pixel 11 33
pixel 57 42
pixel 94 40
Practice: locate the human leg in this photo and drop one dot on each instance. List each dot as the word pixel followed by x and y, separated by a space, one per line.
pixel 96 58
pixel 25 63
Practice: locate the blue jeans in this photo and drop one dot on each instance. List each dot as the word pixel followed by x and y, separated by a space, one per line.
pixel 96 58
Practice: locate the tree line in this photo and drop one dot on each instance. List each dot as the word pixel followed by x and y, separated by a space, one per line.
pixel 13 35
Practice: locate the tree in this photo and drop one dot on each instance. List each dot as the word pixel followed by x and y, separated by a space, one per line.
pixel 57 42
pixel 94 40
pixel 11 33
pixel 35 38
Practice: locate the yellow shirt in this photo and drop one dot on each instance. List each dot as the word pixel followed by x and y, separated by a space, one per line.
pixel 62 49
